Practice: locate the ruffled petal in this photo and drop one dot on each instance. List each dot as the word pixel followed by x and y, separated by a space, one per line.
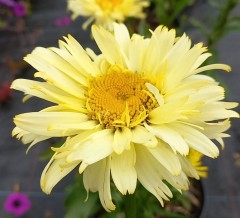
pixel 122 139
pixel 141 135
pixel 54 172
pixel 197 140
pixel 97 178
pixel 123 171
pixel 167 158
pixel 170 136
pixel 95 147
pixel 46 123
pixel 151 174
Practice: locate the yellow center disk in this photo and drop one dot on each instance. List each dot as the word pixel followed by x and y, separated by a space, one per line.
pixel 119 98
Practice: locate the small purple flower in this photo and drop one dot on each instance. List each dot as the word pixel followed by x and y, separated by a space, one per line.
pixel 8 3
pixel 63 21
pixel 20 9
pixel 17 204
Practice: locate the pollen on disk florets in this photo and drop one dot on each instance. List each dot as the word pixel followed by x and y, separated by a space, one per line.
pixel 108 4
pixel 119 98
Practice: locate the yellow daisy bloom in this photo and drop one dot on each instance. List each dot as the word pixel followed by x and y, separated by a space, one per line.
pixel 195 158
pixel 105 12
pixel 129 114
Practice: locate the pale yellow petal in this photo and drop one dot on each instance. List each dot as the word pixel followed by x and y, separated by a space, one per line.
pixel 28 137
pixel 137 53
pixel 213 67
pixel 47 92
pixel 168 112
pixel 108 45
pixel 151 175
pixel 83 67
pixel 61 64
pixel 96 147
pixel 80 56
pixel 167 158
pixel 218 110
pixel 141 135
pixel 53 173
pixel 197 140
pixel 182 65
pixel 171 136
pixel 156 93
pixel 122 36
pixel 39 122
pixel 122 139
pixel 160 44
pixel 54 76
pixel 123 171
pixel 97 178
pixel 187 167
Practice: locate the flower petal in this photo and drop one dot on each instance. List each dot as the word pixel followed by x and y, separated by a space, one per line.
pixel 187 167
pixel 59 63
pixel 197 140
pixel 107 44
pixel 151 174
pixel 96 147
pixel 123 171
pixel 40 123
pixel 167 158
pixel 122 139
pixel 170 136
pixel 96 177
pixel 54 172
pixel 141 135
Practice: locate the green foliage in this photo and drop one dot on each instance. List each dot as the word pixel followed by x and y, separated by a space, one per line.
pixel 141 204
pixel 76 204
pixel 49 152
pixel 170 12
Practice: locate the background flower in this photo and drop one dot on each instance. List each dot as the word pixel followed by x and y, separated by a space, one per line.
pixel 17 204
pixel 8 3
pixel 105 12
pixel 63 21
pixel 131 113
pixel 19 9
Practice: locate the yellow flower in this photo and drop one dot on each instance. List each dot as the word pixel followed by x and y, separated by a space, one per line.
pixel 195 158
pixel 105 12
pixel 130 113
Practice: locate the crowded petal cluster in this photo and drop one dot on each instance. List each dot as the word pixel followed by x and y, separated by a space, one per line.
pixel 105 12
pixel 134 112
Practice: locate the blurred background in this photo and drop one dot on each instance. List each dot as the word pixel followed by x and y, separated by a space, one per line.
pixel 42 25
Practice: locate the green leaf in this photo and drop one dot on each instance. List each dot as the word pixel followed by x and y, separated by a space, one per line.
pixel 76 206
pixel 49 153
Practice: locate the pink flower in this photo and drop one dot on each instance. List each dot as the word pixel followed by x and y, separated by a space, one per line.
pixel 17 204
pixel 5 91
pixel 63 21
pixel 19 9
pixel 8 3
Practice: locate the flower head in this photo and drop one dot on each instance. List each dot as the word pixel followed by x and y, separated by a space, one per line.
pixel 5 91
pixel 63 21
pixel 131 113
pixel 19 9
pixel 105 12
pixel 195 158
pixel 8 3
pixel 17 204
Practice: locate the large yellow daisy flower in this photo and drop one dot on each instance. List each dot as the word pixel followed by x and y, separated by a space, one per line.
pixel 105 12
pixel 195 159
pixel 131 113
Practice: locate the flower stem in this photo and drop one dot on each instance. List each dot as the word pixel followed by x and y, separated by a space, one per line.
pixel 130 206
pixel 219 27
